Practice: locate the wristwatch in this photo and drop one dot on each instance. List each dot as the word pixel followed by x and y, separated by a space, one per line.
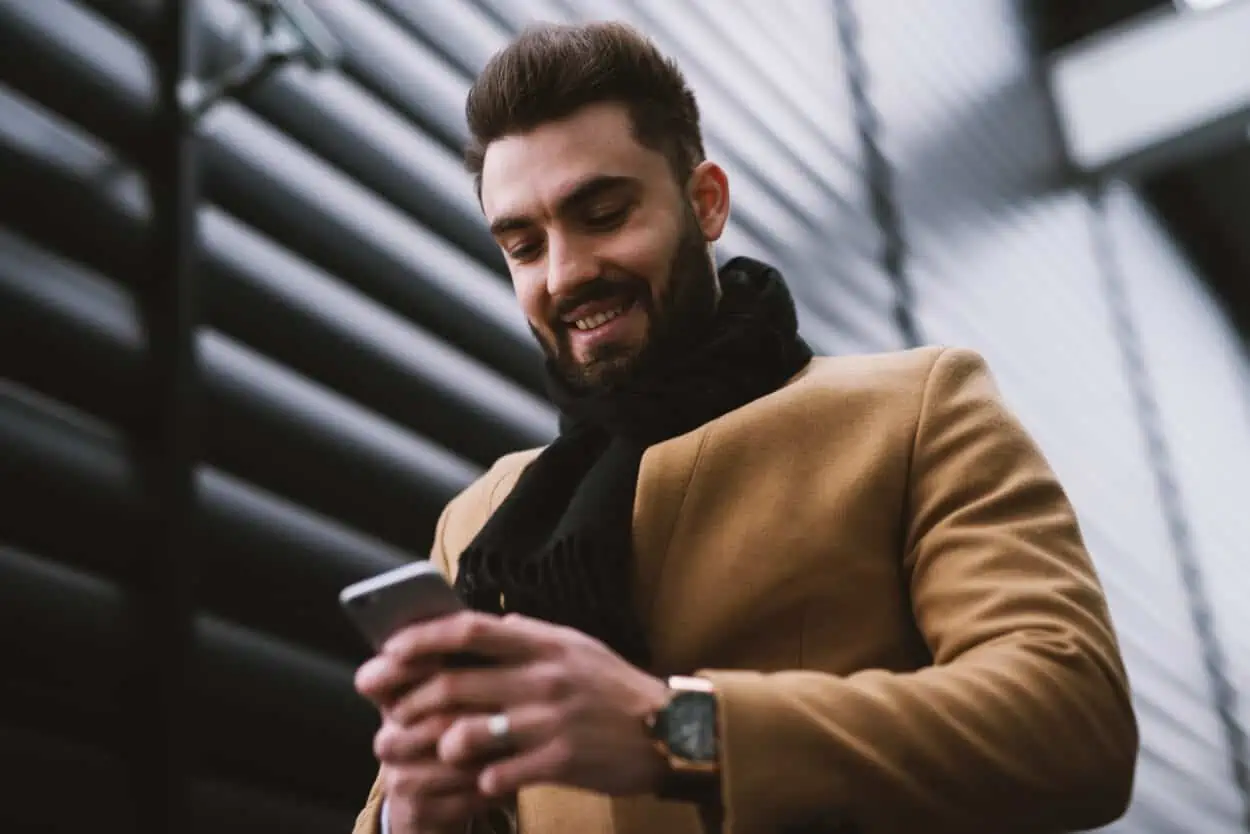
pixel 685 732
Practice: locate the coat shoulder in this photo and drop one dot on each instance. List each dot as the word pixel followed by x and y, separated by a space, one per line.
pixel 902 368
pixel 897 377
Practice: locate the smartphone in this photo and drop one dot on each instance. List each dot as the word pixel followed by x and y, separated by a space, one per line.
pixel 381 605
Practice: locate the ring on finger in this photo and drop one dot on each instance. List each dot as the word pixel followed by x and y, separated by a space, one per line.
pixel 499 726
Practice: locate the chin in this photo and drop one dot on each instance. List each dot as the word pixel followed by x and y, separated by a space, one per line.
pixel 602 373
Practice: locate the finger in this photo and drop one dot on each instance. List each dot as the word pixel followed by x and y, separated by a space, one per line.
pixel 469 738
pixel 379 679
pixel 482 690
pixel 471 632
pixel 449 692
pixel 437 813
pixel 400 744
pixel 550 762
pixel 429 777
pixel 383 678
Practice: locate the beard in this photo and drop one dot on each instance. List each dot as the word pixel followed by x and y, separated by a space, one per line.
pixel 674 319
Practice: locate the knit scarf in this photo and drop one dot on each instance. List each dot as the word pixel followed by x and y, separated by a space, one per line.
pixel 560 546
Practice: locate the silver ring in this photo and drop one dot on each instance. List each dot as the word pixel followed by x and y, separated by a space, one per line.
pixel 499 726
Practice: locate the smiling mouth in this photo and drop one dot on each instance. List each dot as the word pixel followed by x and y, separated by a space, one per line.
pixel 598 320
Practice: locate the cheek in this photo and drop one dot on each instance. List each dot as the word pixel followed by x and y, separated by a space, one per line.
pixel 644 252
pixel 531 294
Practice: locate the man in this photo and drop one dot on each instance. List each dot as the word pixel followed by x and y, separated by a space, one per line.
pixel 745 590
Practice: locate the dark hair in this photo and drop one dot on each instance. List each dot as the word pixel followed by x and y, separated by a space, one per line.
pixel 552 70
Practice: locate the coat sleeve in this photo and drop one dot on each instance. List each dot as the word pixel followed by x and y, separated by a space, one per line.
pixel 1024 720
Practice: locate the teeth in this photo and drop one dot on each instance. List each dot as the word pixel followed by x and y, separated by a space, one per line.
pixel 597 320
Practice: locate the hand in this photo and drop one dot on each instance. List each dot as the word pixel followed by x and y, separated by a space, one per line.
pixel 576 708
pixel 425 795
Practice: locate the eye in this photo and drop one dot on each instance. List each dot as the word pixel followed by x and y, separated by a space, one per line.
pixel 606 218
pixel 524 252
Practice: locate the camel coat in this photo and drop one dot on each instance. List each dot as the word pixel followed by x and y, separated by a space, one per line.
pixel 884 580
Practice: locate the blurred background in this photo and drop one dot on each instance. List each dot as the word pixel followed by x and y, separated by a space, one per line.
pixel 240 371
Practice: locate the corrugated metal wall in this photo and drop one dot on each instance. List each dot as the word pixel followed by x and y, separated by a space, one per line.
pixel 1004 259
pixel 1201 374
pixel 362 358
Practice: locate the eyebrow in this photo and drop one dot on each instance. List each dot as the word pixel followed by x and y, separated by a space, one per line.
pixel 579 195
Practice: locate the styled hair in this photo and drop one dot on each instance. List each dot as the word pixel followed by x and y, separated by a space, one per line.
pixel 553 70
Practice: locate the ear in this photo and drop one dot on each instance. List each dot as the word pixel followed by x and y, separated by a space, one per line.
pixel 708 192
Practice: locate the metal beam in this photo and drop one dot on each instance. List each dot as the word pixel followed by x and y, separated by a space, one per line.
pixel 164 602
pixel 1158 89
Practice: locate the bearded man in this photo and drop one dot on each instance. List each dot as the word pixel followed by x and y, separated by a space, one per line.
pixel 745 589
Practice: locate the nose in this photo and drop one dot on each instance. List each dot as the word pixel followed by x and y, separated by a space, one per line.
pixel 570 263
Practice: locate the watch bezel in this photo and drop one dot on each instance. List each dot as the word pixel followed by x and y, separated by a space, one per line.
pixel 684 688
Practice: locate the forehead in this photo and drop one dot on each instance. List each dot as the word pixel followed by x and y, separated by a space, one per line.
pixel 528 172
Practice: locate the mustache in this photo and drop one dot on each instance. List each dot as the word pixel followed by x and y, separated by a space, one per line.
pixel 598 289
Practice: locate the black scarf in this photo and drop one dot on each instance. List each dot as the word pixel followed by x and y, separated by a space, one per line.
pixel 560 547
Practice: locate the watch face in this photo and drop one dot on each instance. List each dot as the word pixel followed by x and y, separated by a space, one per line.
pixel 691 726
